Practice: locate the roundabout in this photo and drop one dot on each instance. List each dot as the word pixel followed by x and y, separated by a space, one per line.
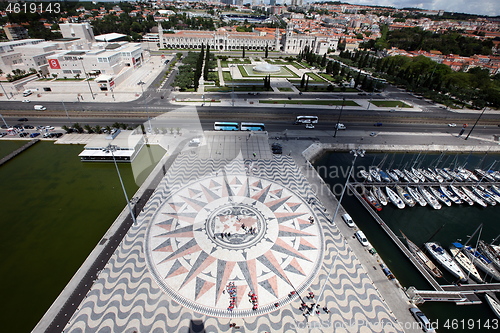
pixel 217 241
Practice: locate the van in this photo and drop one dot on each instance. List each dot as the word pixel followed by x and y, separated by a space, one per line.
pixel 362 238
pixel 348 220
pixel 40 107
pixel 340 126
pixel 194 143
pixel 27 92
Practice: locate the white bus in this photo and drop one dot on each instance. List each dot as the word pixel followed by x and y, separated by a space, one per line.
pixel 306 120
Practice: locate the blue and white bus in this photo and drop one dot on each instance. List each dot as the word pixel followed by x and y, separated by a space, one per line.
pixel 225 126
pixel 306 120
pixel 252 127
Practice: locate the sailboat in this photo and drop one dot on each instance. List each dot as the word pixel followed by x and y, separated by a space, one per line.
pixel 452 196
pixel 407 199
pixel 440 196
pixel 490 253
pixel 494 304
pixel 429 198
pixel 372 200
pixel 484 196
pixel 461 195
pixel 416 196
pixel 482 262
pixel 474 197
pixel 422 258
pixel 444 258
pixel 464 262
pixel 395 199
pixel 380 195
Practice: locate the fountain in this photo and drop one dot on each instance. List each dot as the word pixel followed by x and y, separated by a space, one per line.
pixel 266 68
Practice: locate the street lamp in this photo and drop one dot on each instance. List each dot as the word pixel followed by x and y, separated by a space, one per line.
pixel 85 72
pixel 110 149
pixel 356 153
pixel 141 84
pixel 5 93
pixel 484 109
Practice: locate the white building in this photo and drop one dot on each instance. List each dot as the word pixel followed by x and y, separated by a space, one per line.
pixel 295 43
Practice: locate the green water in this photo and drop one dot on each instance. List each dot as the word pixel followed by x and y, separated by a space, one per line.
pixel 419 224
pixel 54 210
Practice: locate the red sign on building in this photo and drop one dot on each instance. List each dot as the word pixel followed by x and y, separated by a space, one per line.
pixel 54 64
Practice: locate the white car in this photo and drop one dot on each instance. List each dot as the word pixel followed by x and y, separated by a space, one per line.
pixel 362 238
pixel 348 220
pixel 373 134
pixel 309 126
pixel 50 128
pixel 452 125
pixel 26 101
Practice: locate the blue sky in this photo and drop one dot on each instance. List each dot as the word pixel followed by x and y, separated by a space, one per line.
pixel 483 7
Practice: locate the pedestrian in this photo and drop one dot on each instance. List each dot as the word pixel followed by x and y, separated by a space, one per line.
pixel 254 154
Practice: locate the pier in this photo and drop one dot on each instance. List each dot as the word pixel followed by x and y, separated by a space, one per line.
pixel 17 151
pixel 396 240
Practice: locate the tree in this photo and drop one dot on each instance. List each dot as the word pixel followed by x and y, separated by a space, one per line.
pixel 243 53
pixel 267 52
pixel 303 81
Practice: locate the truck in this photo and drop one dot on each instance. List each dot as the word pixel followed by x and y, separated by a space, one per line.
pixel 40 107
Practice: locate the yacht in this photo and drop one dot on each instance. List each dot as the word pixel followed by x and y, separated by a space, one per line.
pixel 375 174
pixel 464 262
pixel 452 196
pixel 418 174
pixel 443 174
pixel 429 198
pixel 440 196
pixel 444 258
pixel 411 176
pixel 484 175
pixel 379 194
pixel 461 195
pixel 491 253
pixel 423 258
pixel 395 199
pixel 494 304
pixel 407 199
pixel 492 194
pixel 416 196
pixel 393 175
pixel 430 176
pixel 372 200
pixel 469 175
pixel 482 262
pixel 474 198
pixel 401 175
pixel 495 189
pixel 437 176
pixel 384 176
pixel 365 175
pixel 483 195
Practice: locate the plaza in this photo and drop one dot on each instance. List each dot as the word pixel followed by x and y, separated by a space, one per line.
pixel 235 237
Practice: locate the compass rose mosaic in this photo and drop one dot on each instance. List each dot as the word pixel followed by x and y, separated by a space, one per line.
pixel 234 245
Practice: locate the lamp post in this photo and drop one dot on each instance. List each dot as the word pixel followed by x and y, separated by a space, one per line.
pixel 356 153
pixel 5 93
pixel 141 84
pixel 85 72
pixel 110 149
pixel 484 109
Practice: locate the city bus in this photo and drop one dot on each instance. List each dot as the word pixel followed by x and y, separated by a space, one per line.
pixel 252 127
pixel 306 120
pixel 225 126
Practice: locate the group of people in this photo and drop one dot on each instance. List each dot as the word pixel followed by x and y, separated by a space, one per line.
pixel 311 219
pixel 254 300
pixel 225 234
pixel 231 290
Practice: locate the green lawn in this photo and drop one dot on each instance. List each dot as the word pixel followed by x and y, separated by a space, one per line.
pixel 309 102
pixel 390 104
pixel 297 65
pixel 286 89
pixel 237 88
pixel 315 77
pixel 226 63
pixel 326 76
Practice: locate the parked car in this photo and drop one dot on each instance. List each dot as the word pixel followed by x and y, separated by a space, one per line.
pixel 22 135
pixel 34 135
pixel 373 134
pixel 50 127
pixel 26 101
pixel 362 238
pixel 348 220
pixel 421 318
pixel 29 127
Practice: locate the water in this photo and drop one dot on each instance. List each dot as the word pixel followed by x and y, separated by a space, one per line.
pixel 55 209
pixel 419 224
